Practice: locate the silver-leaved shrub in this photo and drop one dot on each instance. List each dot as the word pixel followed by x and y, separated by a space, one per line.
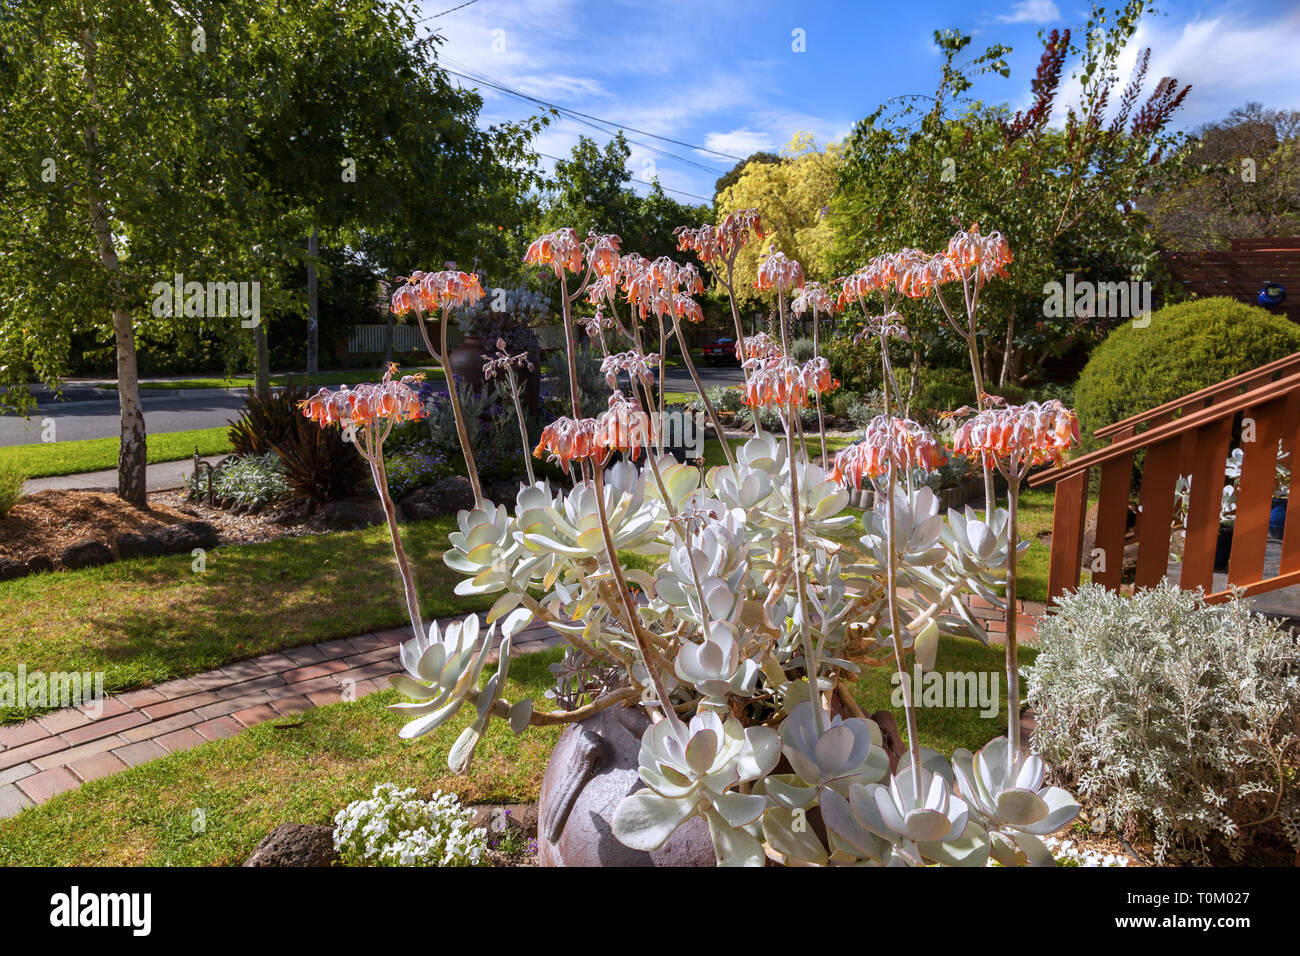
pixel 1172 717
pixel 394 828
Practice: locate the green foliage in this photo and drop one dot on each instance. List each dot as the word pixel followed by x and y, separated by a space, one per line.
pixel 801 350
pixel 318 464
pixel 265 423
pixel 591 191
pixel 1173 717
pixel 11 487
pixel 856 365
pixel 1186 347
pixel 248 483
pixel 1062 198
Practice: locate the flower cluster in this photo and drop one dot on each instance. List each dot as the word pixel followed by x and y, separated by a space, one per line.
pixel 1029 434
pixel 883 326
pixel 778 380
pixel 560 250
pixel 897 442
pixel 724 241
pixel 633 363
pixel 915 274
pixel 392 399
pixel 393 828
pixel 430 291
pixel 779 272
pixel 623 427
pixel 813 297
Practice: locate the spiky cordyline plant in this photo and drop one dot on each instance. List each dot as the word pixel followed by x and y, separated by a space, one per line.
pixel 736 644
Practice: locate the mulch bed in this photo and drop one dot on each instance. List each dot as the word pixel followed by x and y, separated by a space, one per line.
pixel 49 521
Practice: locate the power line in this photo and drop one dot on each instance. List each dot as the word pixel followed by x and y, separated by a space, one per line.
pixel 579 117
pixel 498 84
pixel 669 189
pixel 445 12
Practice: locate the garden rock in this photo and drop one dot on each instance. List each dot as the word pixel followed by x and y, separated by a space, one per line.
pixel 85 554
pixel 347 515
pixel 12 569
pixel 39 564
pixel 498 818
pixel 188 536
pixel 295 844
pixel 446 496
pixel 132 545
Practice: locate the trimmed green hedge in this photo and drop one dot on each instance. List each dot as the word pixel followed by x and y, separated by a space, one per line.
pixel 1186 347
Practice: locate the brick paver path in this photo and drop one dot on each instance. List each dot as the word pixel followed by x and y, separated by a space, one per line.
pixel 63 749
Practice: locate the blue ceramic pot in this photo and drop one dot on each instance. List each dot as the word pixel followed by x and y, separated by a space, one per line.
pixel 1277 518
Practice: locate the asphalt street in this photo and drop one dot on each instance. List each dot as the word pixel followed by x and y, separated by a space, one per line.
pixel 85 411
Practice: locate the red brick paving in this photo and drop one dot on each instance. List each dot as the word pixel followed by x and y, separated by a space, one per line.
pixel 58 751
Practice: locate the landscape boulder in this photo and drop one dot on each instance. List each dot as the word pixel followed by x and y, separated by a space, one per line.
pixel 85 554
pixel 347 515
pixel 132 545
pixel 187 536
pixel 12 569
pixel 295 844
pixel 39 564
pixel 446 496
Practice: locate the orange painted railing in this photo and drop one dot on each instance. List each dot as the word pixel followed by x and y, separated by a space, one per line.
pixel 1189 436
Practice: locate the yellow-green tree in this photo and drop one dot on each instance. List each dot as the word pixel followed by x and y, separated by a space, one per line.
pixel 793 197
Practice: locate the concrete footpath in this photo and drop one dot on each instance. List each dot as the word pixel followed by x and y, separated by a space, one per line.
pixel 163 476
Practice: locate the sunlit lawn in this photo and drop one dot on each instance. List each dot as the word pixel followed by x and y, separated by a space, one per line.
pixel 305 768
pixel 146 621
pixel 44 459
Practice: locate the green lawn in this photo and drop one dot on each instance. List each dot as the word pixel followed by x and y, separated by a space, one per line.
pixel 305 768
pixel 332 377
pixel 302 769
pixel 45 459
pixel 143 622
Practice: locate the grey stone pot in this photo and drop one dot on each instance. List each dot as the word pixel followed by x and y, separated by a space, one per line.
pixel 593 767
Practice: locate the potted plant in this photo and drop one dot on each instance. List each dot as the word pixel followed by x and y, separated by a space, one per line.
pixel 502 314
pixel 711 720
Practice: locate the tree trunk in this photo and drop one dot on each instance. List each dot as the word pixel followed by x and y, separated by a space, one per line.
pixel 262 373
pixel 313 309
pixel 132 457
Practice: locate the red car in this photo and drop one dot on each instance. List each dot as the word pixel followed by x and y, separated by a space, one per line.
pixel 721 352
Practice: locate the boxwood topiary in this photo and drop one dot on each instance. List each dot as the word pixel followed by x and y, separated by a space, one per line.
pixel 1186 347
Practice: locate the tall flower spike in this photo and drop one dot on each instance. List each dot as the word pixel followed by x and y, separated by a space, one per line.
pixel 561 250
pixel 977 255
pixel 1029 434
pixel 888 442
pixel 814 298
pixel 779 272
pixel 391 399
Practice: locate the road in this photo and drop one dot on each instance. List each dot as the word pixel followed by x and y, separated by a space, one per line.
pixel 96 417
pixel 90 412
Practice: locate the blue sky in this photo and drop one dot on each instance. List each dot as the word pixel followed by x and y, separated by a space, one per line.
pixel 723 77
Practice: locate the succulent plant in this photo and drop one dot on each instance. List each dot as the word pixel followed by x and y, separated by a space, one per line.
pixel 716 667
pixel 921 824
pixel 684 778
pixel 1011 799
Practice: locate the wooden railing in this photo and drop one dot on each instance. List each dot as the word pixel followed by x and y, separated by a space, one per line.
pixel 1189 436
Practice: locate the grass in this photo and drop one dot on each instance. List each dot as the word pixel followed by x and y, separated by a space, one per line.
pixel 302 769
pixel 47 459
pixel 146 621
pixel 306 768
pixel 341 377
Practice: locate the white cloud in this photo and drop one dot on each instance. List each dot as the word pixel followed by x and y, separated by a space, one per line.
pixel 1229 56
pixel 1032 11
pixel 741 142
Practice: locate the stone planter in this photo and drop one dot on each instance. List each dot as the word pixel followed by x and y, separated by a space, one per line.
pixel 467 363
pixel 593 767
